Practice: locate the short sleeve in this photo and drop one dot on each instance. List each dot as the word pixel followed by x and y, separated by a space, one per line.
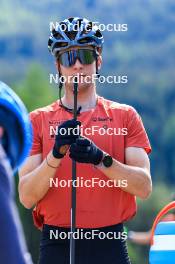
pixel 136 134
pixel 37 142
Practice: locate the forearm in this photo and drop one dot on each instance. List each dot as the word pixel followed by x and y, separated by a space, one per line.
pixel 34 185
pixel 35 175
pixel 142 238
pixel 138 179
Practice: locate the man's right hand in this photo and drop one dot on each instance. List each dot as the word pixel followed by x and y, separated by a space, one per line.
pixel 68 132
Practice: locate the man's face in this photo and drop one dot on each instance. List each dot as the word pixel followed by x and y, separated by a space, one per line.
pixel 83 71
pixel 1 132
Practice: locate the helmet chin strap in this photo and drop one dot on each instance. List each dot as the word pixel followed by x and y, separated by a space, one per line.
pixel 98 75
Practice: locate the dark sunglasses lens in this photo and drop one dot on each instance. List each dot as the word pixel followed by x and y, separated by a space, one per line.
pixel 86 56
pixel 67 59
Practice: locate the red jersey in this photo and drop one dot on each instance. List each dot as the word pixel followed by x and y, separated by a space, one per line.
pixel 112 127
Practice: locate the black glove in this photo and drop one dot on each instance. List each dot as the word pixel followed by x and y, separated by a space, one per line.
pixel 85 151
pixel 67 134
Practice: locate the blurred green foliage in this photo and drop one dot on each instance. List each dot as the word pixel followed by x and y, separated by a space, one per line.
pixel 145 53
pixel 35 90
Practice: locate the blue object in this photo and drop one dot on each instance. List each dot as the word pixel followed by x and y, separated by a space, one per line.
pixel 163 245
pixel 85 33
pixel 162 257
pixel 17 138
pixel 165 228
pixel 13 249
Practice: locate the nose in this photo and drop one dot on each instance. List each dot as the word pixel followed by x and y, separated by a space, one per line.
pixel 77 65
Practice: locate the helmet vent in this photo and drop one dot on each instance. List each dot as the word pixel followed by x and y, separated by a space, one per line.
pixel 60 45
pixel 79 22
pixel 63 26
pixel 85 40
pixel 71 35
pixel 98 34
pixel 50 42
pixel 57 35
pixel 89 26
pixel 71 19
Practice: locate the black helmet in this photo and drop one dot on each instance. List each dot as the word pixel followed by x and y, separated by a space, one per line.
pixel 74 31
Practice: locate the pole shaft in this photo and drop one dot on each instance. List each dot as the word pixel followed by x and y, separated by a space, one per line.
pixel 73 208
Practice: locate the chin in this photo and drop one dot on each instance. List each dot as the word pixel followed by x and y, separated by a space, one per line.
pixel 81 86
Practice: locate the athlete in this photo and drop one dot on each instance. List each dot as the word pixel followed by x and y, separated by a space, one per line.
pixel 109 144
pixel 144 238
pixel 15 142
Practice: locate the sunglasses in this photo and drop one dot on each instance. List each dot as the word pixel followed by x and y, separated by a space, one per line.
pixel 85 56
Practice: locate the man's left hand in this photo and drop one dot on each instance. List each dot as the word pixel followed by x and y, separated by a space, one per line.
pixel 85 151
